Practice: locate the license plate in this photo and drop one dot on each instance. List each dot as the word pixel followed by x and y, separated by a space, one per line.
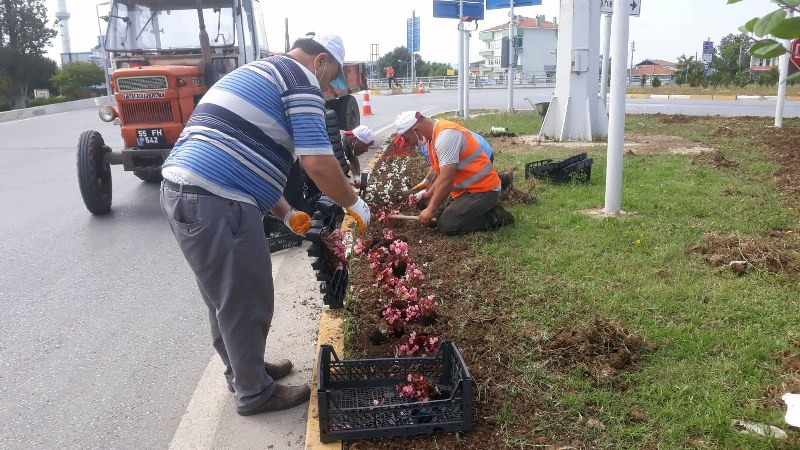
pixel 151 137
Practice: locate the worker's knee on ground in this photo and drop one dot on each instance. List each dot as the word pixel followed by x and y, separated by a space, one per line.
pixel 448 225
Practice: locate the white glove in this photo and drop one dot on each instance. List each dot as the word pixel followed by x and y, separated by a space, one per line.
pixel 297 221
pixel 419 194
pixel 422 185
pixel 360 212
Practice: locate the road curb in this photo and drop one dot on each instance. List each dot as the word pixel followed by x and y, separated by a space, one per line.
pixel 330 332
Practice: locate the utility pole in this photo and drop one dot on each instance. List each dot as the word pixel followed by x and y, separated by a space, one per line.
pixel 460 58
pixel 286 26
pixel 606 58
pixel 616 116
pixel 633 49
pixel 414 32
pixel 784 73
pixel 511 57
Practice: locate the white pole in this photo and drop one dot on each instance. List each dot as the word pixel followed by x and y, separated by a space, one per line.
pixel 460 58
pixel 606 55
pixel 466 73
pixel 414 32
pixel 784 72
pixel 616 120
pixel 511 58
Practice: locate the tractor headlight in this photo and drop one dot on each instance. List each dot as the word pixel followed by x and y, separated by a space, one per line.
pixel 107 113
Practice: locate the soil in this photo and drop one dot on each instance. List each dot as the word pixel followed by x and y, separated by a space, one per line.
pixel 777 252
pixel 635 144
pixel 714 159
pixel 470 309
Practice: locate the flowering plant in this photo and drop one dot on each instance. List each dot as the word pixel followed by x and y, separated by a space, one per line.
pixel 418 388
pixel 335 257
pixel 413 344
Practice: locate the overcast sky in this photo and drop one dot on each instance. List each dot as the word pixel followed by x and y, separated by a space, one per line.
pixel 665 30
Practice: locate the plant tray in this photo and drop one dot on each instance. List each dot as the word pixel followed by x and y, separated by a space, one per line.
pixel 577 169
pixel 279 236
pixel 358 398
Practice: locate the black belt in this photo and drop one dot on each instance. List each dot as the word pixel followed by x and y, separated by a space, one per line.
pixel 186 188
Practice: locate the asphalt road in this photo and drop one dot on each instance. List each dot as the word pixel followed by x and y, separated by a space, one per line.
pixel 105 339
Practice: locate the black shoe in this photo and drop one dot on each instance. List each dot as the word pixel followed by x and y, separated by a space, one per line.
pixel 284 397
pixel 276 370
pixel 499 217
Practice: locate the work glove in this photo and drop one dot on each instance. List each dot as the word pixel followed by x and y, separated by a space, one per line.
pixel 297 221
pixel 360 212
pixel 422 185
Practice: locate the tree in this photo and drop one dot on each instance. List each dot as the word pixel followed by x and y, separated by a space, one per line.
pixel 730 58
pixel 24 34
pixel 690 72
pixel 75 79
pixel 774 24
pixel 403 68
pixel 656 82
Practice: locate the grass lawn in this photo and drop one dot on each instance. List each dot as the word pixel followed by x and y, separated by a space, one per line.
pixel 751 89
pixel 712 333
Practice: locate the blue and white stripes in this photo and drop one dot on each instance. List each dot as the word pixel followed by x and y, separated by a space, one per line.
pixel 244 134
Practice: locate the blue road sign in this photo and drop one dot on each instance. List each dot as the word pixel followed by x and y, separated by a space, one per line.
pixel 448 9
pixel 412 35
pixel 501 4
pixel 708 46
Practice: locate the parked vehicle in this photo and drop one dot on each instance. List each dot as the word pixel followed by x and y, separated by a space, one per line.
pixel 165 54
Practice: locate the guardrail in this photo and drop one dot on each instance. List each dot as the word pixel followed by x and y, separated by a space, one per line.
pixel 525 79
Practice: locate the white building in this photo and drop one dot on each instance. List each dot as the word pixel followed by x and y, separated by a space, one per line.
pixel 536 57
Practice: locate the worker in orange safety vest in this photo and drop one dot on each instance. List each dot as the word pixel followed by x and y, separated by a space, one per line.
pixel 463 188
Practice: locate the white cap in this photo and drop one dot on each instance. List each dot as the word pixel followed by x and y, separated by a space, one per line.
pixel 333 44
pixel 405 121
pixel 364 134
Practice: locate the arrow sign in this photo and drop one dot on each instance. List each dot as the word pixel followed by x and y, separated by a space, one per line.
pixel 607 7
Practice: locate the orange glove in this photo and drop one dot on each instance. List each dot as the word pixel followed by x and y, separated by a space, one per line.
pixel 423 185
pixel 359 211
pixel 297 221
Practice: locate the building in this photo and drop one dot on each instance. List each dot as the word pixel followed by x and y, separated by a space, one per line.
pixel 759 66
pixel 536 57
pixel 650 68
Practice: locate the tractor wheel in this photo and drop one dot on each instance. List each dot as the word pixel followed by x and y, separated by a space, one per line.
pixel 149 175
pixel 94 174
pixel 347 112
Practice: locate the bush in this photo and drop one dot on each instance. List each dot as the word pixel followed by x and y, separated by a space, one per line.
pixel 656 82
pixel 46 101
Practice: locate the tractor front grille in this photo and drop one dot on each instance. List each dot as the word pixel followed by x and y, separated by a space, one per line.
pixel 148 83
pixel 146 112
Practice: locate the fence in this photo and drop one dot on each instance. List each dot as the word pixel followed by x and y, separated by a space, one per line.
pixel 525 79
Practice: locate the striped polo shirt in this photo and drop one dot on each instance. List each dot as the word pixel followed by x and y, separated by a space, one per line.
pixel 245 133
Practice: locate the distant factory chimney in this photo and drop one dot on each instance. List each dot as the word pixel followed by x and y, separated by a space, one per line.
pixel 63 22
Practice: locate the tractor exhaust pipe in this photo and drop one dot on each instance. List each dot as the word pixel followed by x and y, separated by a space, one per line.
pixel 205 47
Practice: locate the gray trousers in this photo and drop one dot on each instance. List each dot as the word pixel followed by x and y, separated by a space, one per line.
pixel 466 213
pixel 224 243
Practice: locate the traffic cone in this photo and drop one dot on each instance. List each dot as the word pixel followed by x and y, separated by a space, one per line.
pixel 421 88
pixel 367 109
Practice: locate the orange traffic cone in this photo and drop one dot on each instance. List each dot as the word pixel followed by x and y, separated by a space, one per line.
pixel 421 88
pixel 367 109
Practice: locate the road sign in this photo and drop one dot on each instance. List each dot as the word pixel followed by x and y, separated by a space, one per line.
pixel 448 9
pixel 708 46
pixel 412 33
pixel 607 7
pixel 502 4
pixel 707 58
pixel 795 56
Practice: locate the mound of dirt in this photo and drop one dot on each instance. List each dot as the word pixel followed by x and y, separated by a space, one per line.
pixel 777 252
pixel 675 118
pixel 603 347
pixel 714 159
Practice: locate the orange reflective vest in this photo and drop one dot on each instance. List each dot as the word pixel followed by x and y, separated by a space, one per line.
pixel 474 172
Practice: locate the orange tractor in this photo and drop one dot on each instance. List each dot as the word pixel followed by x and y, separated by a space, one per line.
pixel 163 61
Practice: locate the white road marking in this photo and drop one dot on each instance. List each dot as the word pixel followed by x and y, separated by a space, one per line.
pixel 40 117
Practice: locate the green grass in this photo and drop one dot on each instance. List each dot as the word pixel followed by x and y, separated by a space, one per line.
pixel 751 89
pixel 715 332
pixel 520 123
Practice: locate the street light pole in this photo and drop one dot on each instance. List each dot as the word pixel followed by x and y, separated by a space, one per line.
pixel 633 49
pixel 102 43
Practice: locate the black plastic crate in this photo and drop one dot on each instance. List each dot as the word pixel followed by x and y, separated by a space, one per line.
pixel 279 236
pixel 577 168
pixel 358 398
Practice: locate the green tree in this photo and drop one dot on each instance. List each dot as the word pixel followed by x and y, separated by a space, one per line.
pixel 75 79
pixel 775 25
pixel 730 55
pixel 400 59
pixel 689 71
pixel 24 34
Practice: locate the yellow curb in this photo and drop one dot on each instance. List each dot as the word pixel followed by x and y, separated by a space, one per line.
pixel 330 332
pixel 724 97
pixel 793 98
pixel 642 96
pixel 701 97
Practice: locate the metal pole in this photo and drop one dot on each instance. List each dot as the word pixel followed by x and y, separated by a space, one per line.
pixel 606 51
pixel 783 62
pixel 633 49
pixel 511 58
pixel 106 65
pixel 413 59
pixel 460 58
pixel 616 120
pixel 466 73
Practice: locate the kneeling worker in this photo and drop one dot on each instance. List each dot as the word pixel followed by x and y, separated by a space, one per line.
pixel 356 142
pixel 465 195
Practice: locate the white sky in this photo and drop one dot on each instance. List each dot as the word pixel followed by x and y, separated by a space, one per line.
pixel 665 30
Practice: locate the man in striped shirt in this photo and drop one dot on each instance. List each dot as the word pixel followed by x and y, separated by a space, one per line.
pixel 230 167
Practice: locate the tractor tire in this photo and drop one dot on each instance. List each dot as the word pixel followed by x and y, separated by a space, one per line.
pixel 94 174
pixel 336 141
pixel 149 175
pixel 347 112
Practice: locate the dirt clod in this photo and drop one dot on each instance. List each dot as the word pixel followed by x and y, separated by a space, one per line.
pixel 778 252
pixel 714 159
